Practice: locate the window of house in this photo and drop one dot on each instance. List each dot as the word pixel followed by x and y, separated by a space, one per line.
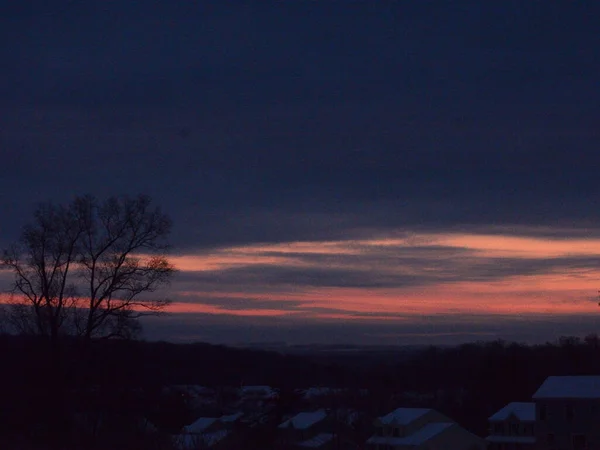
pixel 514 429
pixel 380 431
pixel 543 412
pixel 579 441
pixel 395 432
pixel 499 428
pixel 570 413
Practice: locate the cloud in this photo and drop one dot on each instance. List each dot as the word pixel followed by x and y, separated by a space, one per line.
pixel 396 262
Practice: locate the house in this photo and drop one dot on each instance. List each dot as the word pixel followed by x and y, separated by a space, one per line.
pixel 513 427
pixel 320 429
pixel 567 413
pixel 204 432
pixel 303 426
pixel 231 420
pixel 208 432
pixel 421 428
pixel 252 398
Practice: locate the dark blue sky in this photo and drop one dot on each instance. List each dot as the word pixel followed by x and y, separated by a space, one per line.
pixel 305 120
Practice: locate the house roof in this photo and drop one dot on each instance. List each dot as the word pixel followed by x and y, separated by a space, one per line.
pixel 569 387
pixel 200 425
pixel 304 420
pixel 513 439
pixel 403 416
pixel 524 411
pixel 317 441
pixel 231 417
pixel 417 438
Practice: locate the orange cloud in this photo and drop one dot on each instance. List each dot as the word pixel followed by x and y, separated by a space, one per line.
pixel 178 307
pixel 555 291
pixel 520 247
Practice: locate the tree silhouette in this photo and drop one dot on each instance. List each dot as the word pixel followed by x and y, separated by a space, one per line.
pixel 82 269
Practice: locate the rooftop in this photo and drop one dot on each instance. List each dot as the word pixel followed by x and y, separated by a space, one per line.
pixel 200 425
pixel 569 387
pixel 304 420
pixel 524 411
pixel 403 416
pixel 231 417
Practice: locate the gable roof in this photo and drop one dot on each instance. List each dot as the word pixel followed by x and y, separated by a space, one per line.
pixel 417 438
pixel 304 420
pixel 231 417
pixel 570 387
pixel 403 416
pixel 524 411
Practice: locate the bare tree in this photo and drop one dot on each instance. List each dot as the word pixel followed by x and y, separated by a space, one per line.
pixel 84 269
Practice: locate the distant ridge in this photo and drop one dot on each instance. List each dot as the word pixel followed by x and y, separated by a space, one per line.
pixel 283 347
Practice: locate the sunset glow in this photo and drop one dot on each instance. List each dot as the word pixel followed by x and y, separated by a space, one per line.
pixel 446 273
pixel 391 279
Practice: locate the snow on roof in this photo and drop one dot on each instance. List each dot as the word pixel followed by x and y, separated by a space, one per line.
pixel 317 441
pixel 417 438
pixel 524 411
pixel 200 425
pixel 513 439
pixel 231 417
pixel 304 420
pixel 403 416
pixel 569 387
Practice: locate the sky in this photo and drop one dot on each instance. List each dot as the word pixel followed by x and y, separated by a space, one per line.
pixel 337 172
